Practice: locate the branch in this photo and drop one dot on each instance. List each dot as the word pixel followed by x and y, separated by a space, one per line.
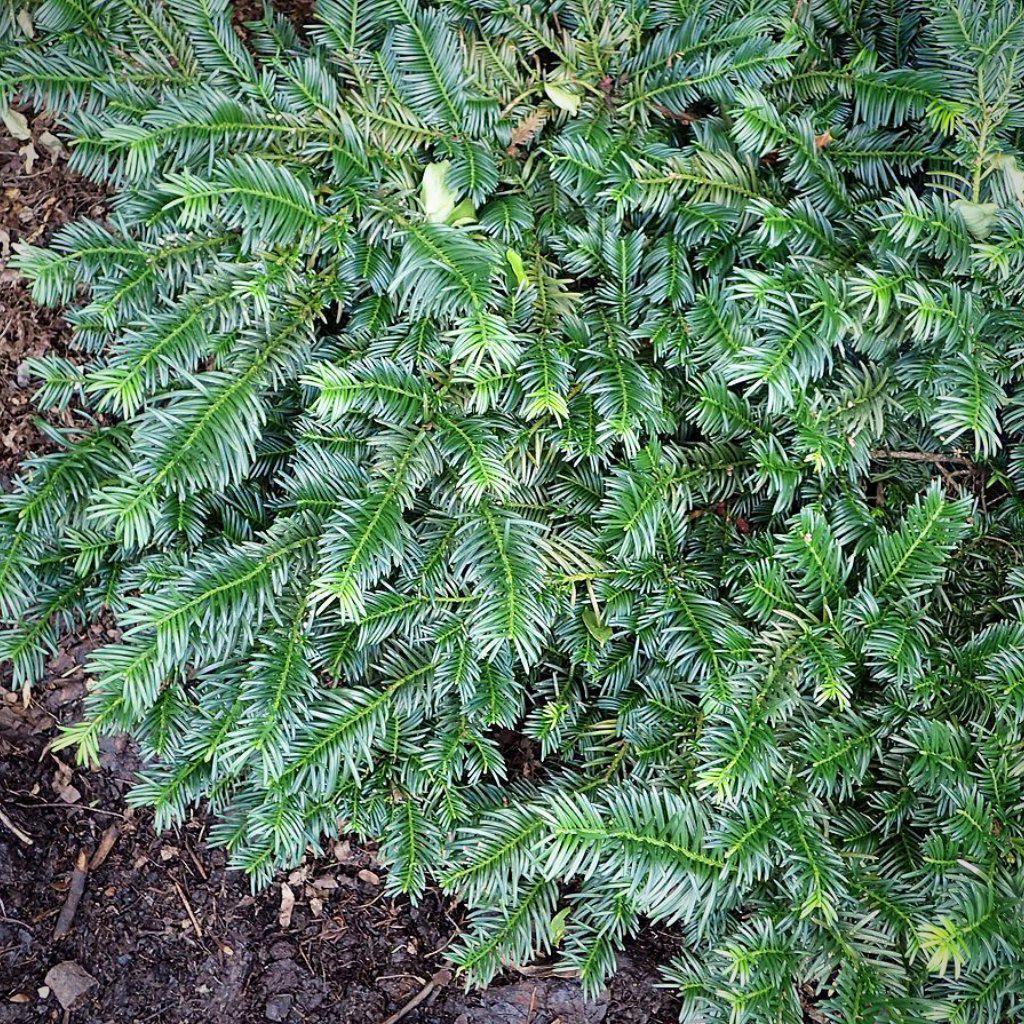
pixel 938 458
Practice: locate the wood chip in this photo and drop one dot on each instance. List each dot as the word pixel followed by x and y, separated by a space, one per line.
pixel 284 916
pixel 107 841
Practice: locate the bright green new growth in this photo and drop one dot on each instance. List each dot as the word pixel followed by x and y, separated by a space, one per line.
pixel 643 378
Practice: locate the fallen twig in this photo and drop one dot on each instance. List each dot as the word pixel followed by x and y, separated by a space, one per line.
pixel 23 836
pixel 438 981
pixel 936 457
pixel 188 909
pixel 74 897
pixel 17 923
pixel 60 805
pixel 107 841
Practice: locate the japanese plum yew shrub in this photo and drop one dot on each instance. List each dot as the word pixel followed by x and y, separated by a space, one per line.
pixel 576 444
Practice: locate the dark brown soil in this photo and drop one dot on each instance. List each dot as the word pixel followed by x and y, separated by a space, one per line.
pixel 299 12
pixel 38 196
pixel 164 930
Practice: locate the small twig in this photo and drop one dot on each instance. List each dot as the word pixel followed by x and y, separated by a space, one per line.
pixel 23 836
pixel 74 897
pixel 17 923
pixel 188 909
pixel 107 841
pixel 439 980
pixel 70 808
pixel 936 457
pixel 198 863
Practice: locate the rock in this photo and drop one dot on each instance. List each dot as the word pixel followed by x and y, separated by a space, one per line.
pixel 278 1007
pixel 69 982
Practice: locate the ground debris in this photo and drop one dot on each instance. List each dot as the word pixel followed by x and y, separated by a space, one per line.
pixel 74 897
pixel 69 982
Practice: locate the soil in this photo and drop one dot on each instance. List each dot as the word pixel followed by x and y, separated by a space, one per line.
pixel 37 196
pixel 164 931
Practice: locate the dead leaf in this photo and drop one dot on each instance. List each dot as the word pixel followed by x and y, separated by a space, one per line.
pixel 822 140
pixel 370 877
pixel 20 997
pixel 168 852
pixel 527 128
pixel 24 20
pixel 17 123
pixel 284 917
pixel 52 145
pixel 316 906
pixel 69 982
pixel 1013 175
pixel 70 794
pixel 325 882
pixel 28 152
pixel 62 786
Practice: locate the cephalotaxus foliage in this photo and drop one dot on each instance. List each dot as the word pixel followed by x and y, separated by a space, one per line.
pixel 642 377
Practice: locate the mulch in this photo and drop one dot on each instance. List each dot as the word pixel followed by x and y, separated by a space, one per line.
pixel 37 196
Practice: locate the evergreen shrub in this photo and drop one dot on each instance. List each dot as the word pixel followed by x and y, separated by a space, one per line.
pixel 576 443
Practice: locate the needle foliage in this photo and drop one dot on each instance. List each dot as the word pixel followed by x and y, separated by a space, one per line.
pixel 576 444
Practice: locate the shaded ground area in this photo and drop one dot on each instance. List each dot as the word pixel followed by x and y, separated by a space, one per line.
pixel 37 196
pixel 163 933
